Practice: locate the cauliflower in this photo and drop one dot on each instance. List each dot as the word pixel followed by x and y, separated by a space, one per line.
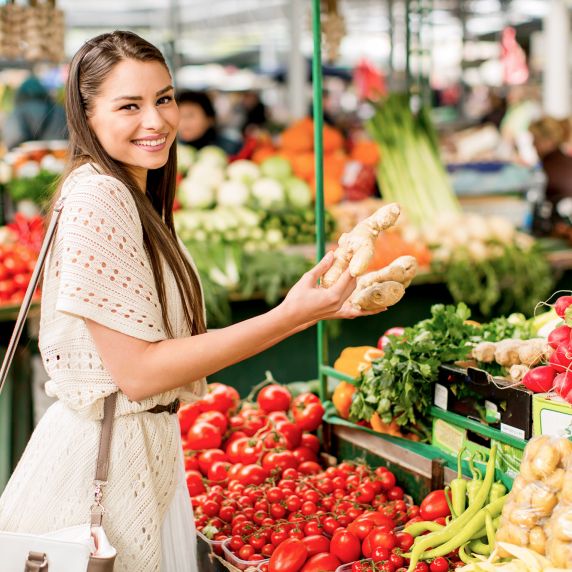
pixel 194 194
pixel 232 194
pixel 243 171
pixel 211 155
pixel 268 193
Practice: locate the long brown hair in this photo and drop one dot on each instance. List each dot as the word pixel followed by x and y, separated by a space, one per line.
pixel 88 69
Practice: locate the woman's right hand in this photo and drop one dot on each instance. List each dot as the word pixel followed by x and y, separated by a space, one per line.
pixel 307 302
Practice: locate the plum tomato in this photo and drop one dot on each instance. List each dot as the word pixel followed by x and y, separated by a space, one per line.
pixel 289 556
pixel 345 546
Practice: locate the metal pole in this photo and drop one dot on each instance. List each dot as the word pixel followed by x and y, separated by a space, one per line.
pixel 175 33
pixel 319 158
pixel 408 45
pixel 296 63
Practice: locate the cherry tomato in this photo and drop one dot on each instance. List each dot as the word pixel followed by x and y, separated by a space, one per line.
pixel 404 540
pixel 195 483
pixel 439 565
pixel 209 457
pixel 215 418
pixel 310 441
pixel 434 505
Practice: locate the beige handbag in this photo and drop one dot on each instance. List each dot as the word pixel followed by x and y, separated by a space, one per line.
pixel 82 548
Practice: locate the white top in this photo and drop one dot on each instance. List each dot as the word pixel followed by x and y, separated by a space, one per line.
pixel 98 269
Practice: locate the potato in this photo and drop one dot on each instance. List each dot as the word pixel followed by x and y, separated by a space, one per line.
pixel 517 535
pixel 525 517
pixel 535 445
pixel 527 471
pixel 566 493
pixel 545 462
pixel 565 448
pixel 518 484
pixel 561 525
pixel 543 501
pixel 555 480
pixel 537 540
pixel 559 553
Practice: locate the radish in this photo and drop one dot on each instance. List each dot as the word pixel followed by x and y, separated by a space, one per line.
pixel 561 359
pixel 539 379
pixel 563 385
pixel 561 304
pixel 560 335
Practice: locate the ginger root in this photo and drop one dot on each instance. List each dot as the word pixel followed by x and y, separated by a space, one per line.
pixel 402 270
pixel 383 288
pixel 378 296
pixel 356 248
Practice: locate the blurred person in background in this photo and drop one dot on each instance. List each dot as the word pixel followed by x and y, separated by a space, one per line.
pixel 549 136
pixel 198 123
pixel 255 116
pixel 35 117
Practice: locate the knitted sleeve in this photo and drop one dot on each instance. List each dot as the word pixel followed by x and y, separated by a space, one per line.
pixel 104 273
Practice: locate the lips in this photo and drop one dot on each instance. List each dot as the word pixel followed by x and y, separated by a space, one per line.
pixel 151 142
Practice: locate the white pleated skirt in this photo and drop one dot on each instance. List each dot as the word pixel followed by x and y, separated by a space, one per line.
pixel 178 533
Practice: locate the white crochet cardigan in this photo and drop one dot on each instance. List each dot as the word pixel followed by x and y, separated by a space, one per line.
pixel 98 269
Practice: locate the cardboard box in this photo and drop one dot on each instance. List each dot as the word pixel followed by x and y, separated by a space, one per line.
pixel 485 398
pixel 551 415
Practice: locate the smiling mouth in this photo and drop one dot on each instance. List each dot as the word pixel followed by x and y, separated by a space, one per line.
pixel 150 142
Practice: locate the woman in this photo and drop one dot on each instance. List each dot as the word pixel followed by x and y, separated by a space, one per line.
pixel 122 312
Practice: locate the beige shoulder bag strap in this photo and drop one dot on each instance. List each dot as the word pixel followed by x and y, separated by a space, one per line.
pixel 37 561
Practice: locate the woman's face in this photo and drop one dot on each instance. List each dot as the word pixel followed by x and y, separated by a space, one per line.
pixel 194 121
pixel 135 116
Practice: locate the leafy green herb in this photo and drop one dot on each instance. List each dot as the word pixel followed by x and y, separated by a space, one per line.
pixel 511 282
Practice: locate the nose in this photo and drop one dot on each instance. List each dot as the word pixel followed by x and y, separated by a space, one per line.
pixel 152 118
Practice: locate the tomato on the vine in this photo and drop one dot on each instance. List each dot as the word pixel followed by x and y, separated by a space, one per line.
pixel 274 398
pixel 308 411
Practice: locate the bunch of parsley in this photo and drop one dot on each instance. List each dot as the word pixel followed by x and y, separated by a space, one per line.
pixel 400 385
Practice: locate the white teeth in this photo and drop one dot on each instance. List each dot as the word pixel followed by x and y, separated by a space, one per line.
pixel 151 142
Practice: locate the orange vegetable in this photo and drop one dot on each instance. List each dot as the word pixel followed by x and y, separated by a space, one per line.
pixel 353 360
pixel 263 153
pixel 333 191
pixel 366 152
pixel 303 165
pixel 388 428
pixel 334 165
pixel 342 398
pixel 333 139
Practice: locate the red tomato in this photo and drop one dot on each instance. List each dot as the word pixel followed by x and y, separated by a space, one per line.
pixel 322 562
pixel 304 454
pixel 221 398
pixel 361 527
pixel 218 471
pixel 215 418
pixel 316 543
pixel 274 440
pixel 274 398
pixel 309 468
pixel 289 556
pixel 378 537
pixel 203 436
pixel 244 450
pixel 195 483
pixel 345 546
pixel 395 493
pixel 208 457
pixel 252 475
pixel 380 554
pixel 439 565
pixel 434 506
pixel 380 520
pixel 187 415
pixel 404 540
pixel 387 479
pixel 292 432
pixel 191 462
pixel 308 411
pixel 310 441
pixel 279 460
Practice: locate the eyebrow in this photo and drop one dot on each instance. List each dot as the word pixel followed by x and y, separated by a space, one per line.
pixel 139 98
